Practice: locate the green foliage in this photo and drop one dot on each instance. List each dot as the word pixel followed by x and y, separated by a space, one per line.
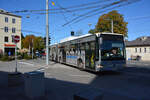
pixel 6 58
pixel 1 56
pixel 104 23
pixel 27 41
pixel 92 31
pixel 33 41
pixel 26 56
pixel 22 39
pixel 38 43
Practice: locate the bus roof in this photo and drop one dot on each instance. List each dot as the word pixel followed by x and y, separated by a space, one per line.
pixel 108 33
pixel 74 37
pixel 78 37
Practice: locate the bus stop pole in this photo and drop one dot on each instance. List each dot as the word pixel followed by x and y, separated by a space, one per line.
pixel 16 57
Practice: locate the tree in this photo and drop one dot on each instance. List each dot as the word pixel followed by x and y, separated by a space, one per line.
pixel 104 23
pixel 38 43
pixel 92 31
pixel 33 41
pixel 22 39
pixel 27 42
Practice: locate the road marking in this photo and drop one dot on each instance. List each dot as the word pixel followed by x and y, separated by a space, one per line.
pixel 26 63
pixel 81 75
pixel 42 69
pixel 146 64
pixel 132 63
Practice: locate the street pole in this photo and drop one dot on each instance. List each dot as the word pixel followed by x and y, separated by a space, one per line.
pixel 16 57
pixel 32 48
pixel 112 26
pixel 47 32
pixel 29 49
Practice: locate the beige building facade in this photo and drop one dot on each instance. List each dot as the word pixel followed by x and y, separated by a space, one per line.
pixel 10 25
pixel 138 49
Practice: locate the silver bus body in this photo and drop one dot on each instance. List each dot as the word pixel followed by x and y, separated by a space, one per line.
pixel 92 52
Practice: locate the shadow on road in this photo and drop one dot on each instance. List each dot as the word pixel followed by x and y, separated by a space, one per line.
pixel 60 89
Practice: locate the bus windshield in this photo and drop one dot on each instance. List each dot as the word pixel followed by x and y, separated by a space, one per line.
pixel 112 50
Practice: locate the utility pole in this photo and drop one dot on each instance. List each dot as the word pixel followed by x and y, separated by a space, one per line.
pixel 47 32
pixel 32 48
pixel 29 49
pixel 112 26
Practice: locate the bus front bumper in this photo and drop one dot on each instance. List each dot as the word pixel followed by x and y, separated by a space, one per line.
pixel 111 67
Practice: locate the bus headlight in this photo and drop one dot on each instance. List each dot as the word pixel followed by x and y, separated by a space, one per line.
pixel 99 66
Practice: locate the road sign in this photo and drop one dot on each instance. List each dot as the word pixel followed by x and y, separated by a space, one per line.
pixel 16 38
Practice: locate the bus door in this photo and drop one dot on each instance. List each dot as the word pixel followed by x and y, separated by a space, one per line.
pixel 64 55
pixel 90 55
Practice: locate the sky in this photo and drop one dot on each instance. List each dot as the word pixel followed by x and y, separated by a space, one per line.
pixel 137 15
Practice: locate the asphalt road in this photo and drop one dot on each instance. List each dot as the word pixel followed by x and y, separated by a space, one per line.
pixel 62 81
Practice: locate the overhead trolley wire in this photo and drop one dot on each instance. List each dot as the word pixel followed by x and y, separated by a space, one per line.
pixel 103 7
pixel 127 3
pixel 66 8
pixel 65 18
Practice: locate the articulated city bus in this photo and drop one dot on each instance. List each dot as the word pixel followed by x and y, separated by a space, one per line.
pixel 95 52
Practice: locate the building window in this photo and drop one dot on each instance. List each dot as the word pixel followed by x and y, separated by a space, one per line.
pixel 136 50
pixel 6 29
pixel 145 50
pixel 13 30
pixel 6 39
pixel 140 50
pixel 13 20
pixel 6 19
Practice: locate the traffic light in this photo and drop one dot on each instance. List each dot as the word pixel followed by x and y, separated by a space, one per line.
pixel 72 33
pixel 49 40
pixel 44 40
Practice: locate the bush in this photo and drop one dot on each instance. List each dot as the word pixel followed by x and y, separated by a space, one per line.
pixel 1 56
pixel 5 58
pixel 26 56
pixel 19 57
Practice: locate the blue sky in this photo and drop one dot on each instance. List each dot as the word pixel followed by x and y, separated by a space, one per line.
pixel 137 15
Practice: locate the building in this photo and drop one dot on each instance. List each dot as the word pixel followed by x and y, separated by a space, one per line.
pixel 10 25
pixel 138 49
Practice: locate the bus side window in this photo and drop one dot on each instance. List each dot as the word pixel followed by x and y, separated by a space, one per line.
pixel 87 46
pixel 97 50
pixel 82 46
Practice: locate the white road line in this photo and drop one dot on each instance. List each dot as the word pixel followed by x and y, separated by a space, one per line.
pixel 81 75
pixel 41 69
pixel 132 63
pixel 26 63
